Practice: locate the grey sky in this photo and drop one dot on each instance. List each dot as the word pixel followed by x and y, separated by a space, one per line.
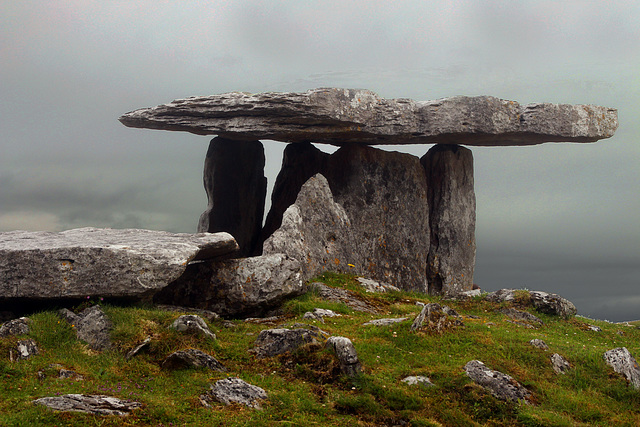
pixel 557 217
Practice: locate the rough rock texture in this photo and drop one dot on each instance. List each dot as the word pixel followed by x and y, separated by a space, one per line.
pixel 452 219
pixel 500 385
pixel 436 317
pixel 236 189
pixel 553 304
pixel 538 343
pixel 15 327
pixel 272 342
pixel 522 317
pixel 374 286
pixel 91 325
pixel 299 163
pixel 24 350
pixel 346 354
pixel 342 295
pixel 559 364
pixel 385 322
pixel 91 404
pixel 190 323
pixel 99 262
pixel 236 287
pixel 621 360
pixel 418 380
pixel 138 348
pixel 234 390
pixel 320 314
pixel 340 116
pixel 192 358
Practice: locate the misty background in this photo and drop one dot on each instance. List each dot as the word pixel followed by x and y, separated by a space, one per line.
pixel 557 217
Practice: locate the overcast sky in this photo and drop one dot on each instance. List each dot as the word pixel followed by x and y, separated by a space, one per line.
pixel 562 218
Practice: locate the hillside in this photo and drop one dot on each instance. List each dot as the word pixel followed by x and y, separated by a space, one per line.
pixel 304 387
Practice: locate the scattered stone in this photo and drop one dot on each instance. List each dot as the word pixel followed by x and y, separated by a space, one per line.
pixel 91 404
pixel 59 371
pixel 192 358
pixel 553 304
pixel 522 318
pixel 206 314
pixel 69 316
pixel 560 364
pixel 346 354
pixel 538 343
pixel 234 390
pixel 320 314
pixel 69 374
pixel 145 343
pixel 93 327
pixel 385 322
pixel 503 295
pixel 436 318
pixel 340 116
pixel 594 328
pixel 100 262
pixel 272 342
pixel 376 287
pixel 342 295
pixel 15 327
pixel 621 360
pixel 473 293
pixel 500 385
pixel 271 320
pixel 192 324
pixel 452 251
pixel 24 349
pixel 236 189
pixel 418 380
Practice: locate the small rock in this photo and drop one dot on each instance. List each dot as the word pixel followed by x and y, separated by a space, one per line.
pixel 621 360
pixel 594 328
pixel 24 349
pixel 346 354
pixel 69 374
pixel 271 342
pixel 69 316
pixel 192 358
pixel 372 286
pixel 193 324
pixel 538 343
pixel 91 326
pixel 436 318
pixel 15 327
pixel 342 295
pixel 502 295
pixel 137 348
pixel 385 322
pixel 91 404
pixel 522 316
pixel 418 380
pixel 500 385
pixel 560 364
pixel 320 314
pixel 234 390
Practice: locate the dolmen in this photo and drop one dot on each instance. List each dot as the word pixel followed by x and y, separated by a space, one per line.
pixel 392 217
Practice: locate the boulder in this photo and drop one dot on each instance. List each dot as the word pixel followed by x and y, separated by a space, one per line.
pixel 15 327
pixel 90 404
pixel 236 189
pixel 24 349
pixel 91 325
pixel 559 364
pixel 552 304
pixel 346 354
pixel 452 219
pixel 236 287
pixel 192 358
pixel 272 342
pixel 341 116
pixel 234 390
pixel 192 324
pixel 500 385
pixel 100 262
pixel 621 360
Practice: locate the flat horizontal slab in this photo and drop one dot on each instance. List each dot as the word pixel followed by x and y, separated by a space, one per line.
pixel 340 116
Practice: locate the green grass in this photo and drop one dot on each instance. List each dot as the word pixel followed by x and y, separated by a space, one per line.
pixel 304 388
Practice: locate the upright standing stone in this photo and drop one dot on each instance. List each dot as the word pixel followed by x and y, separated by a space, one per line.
pixel 452 218
pixel 236 188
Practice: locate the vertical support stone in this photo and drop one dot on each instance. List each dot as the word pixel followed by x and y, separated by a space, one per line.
pixel 452 218
pixel 236 189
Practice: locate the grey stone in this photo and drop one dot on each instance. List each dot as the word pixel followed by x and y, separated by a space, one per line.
pixel 272 342
pixel 418 380
pixel 24 349
pixel 340 116
pixel 91 326
pixel 553 304
pixel 193 324
pixel 234 390
pixel 346 354
pixel 559 364
pixel 91 404
pixel 594 328
pixel 452 219
pixel 236 287
pixel 500 385
pixel 236 189
pixel 503 295
pixel 538 343
pixel 18 326
pixel 621 360
pixel 345 296
pixel 374 286
pixel 192 358
pixel 522 316
pixel 100 262
pixel 385 322
pixel 436 317
pixel 320 314
pixel 135 350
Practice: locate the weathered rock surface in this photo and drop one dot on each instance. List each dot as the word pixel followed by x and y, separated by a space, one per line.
pixel 15 327
pixel 418 380
pixel 100 262
pixel 272 342
pixel 553 304
pixel 320 314
pixel 138 348
pixel 452 219
pixel 24 350
pixel 236 287
pixel 374 286
pixel 340 116
pixel 342 295
pixel 91 404
pixel 236 189
pixel 538 343
pixel 559 364
pixel 385 322
pixel 192 358
pixel 522 318
pixel 91 325
pixel 435 317
pixel 500 385
pixel 192 324
pixel 346 354
pixel 234 390
pixel 621 360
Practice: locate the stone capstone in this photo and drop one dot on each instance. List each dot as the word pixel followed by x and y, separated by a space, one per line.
pixel 500 385
pixel 452 219
pixel 15 327
pixel 91 404
pixel 192 358
pixel 100 262
pixel 346 354
pixel 342 116
pixel 621 360
pixel 236 189
pixel 234 390
pixel 192 324
pixel 272 342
